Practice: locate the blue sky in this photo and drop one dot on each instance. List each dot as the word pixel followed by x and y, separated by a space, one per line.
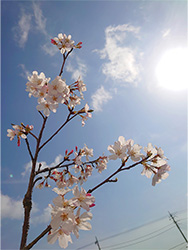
pixel 123 42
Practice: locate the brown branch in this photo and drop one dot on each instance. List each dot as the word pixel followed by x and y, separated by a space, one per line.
pixel 64 59
pixel 63 166
pixel 29 149
pixel 30 245
pixel 27 201
pixel 116 172
pixel 67 120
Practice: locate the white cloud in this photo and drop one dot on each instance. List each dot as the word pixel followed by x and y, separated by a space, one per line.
pixel 50 49
pixel 21 31
pixel 99 98
pixel 122 58
pixel 77 67
pixel 25 73
pixel 28 22
pixel 44 217
pixel 13 209
pixel 40 20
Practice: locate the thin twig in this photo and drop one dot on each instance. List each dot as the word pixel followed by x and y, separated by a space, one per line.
pixel 64 59
pixel 29 149
pixel 67 120
pixel 63 166
pixel 41 114
pixel 116 172
pixel 39 178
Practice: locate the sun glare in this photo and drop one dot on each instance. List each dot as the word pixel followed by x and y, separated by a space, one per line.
pixel 172 69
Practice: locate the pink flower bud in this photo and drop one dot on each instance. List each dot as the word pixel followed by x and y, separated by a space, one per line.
pixel 53 42
pixel 92 205
pixel 18 143
pixel 79 45
pixel 71 152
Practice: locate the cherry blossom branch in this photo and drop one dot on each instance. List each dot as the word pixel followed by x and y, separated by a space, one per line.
pixel 30 132
pixel 29 149
pixel 116 172
pixel 64 59
pixel 30 245
pixel 41 114
pixel 63 166
pixel 27 201
pixel 67 120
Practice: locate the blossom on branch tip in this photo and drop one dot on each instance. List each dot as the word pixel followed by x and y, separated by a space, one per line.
pixel 161 174
pixel 87 114
pixel 64 43
pixel 118 150
pixel 19 131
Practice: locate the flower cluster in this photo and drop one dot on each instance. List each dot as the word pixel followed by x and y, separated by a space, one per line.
pixel 154 162
pixel 50 95
pixel 67 217
pixel 64 43
pixel 82 170
pixel 19 131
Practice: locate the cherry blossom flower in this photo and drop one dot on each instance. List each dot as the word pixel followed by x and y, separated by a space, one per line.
pixel 161 174
pixel 62 217
pixel 63 42
pixel 36 82
pixel 82 198
pixel 11 134
pixel 77 159
pixel 71 180
pixel 87 152
pixel 102 163
pixel 19 131
pixel 80 86
pixel 87 114
pixel 150 150
pixel 81 222
pixel 147 171
pixel 46 107
pixel 74 100
pixel 62 235
pixel 88 170
pixel 118 150
pixel 134 151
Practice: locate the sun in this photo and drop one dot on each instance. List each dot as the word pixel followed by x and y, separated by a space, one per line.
pixel 172 69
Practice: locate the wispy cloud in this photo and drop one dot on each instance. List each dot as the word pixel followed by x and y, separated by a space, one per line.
pixel 49 49
pixel 31 21
pixel 40 20
pixel 99 98
pixel 25 73
pixel 21 31
pixel 122 58
pixel 13 209
pixel 77 67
